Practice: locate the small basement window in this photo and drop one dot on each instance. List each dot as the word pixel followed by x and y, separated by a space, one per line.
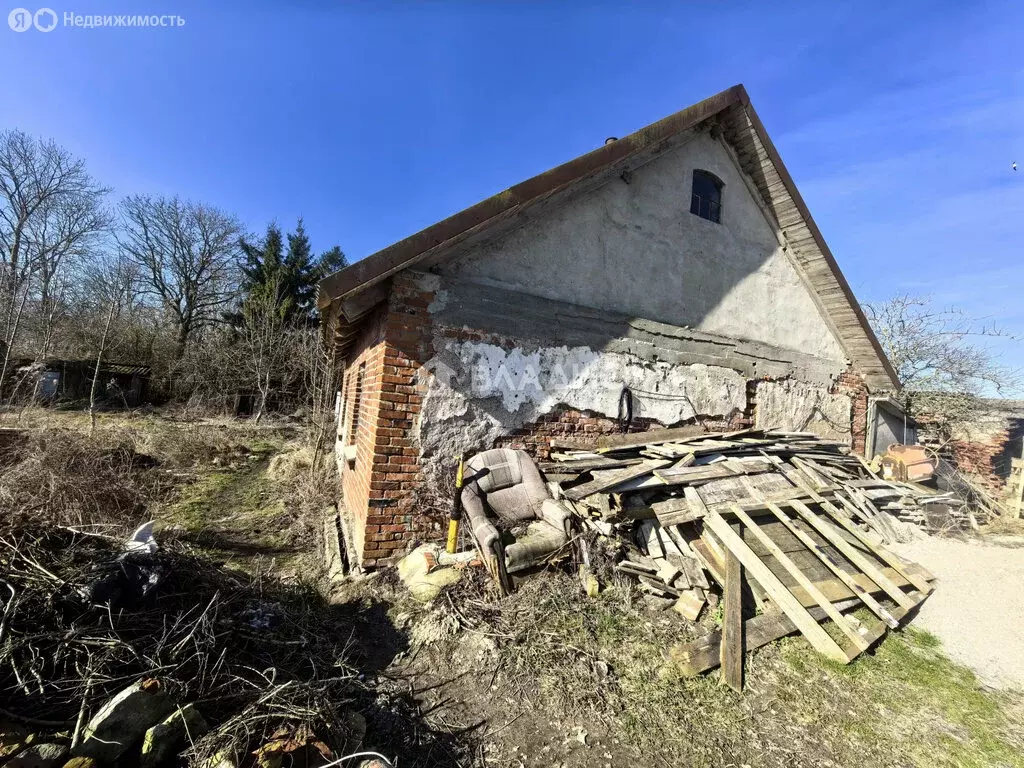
pixel 706 196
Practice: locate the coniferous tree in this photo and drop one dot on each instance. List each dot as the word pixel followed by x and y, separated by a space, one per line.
pixel 300 275
pixel 294 272
pixel 262 261
pixel 331 261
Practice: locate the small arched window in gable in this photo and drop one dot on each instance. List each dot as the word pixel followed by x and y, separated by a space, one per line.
pixel 706 197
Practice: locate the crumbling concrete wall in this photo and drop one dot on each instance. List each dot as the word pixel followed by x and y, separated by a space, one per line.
pixel 635 249
pixel 796 406
pixel 479 392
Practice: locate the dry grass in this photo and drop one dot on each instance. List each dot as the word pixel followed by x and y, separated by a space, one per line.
pixel 1004 525
pixel 257 653
pixel 67 477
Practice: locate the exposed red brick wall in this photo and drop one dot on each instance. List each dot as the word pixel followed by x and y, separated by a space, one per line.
pixel 980 460
pixel 356 478
pixel 852 384
pixel 395 474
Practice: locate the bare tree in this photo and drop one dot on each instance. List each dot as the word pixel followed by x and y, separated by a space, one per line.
pixel 66 234
pixel 320 375
pixel 263 347
pixel 187 253
pixel 112 291
pixel 51 212
pixel 941 357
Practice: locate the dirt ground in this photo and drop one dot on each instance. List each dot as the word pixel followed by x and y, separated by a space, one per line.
pixel 977 609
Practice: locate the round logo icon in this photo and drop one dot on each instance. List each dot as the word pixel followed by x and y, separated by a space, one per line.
pixel 20 19
pixel 45 20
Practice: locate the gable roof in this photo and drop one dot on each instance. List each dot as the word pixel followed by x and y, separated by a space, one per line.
pixel 348 295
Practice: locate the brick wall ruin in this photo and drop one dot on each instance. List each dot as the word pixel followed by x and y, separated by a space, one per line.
pixel 985 446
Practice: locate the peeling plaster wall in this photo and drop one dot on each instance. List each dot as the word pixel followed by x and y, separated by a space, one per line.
pixel 799 407
pixel 479 392
pixel 635 249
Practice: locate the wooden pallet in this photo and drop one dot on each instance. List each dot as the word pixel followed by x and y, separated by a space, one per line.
pixel 811 564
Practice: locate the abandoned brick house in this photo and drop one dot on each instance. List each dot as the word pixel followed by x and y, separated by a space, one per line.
pixel 668 278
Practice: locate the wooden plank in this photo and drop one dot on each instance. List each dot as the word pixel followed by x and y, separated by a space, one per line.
pixel 850 581
pixel 636 439
pixel 690 604
pixel 855 584
pixel 586 465
pixel 676 435
pixel 686 461
pixel 700 655
pixel 872 571
pixel 880 519
pixel 777 591
pixel 729 468
pixel 835 590
pixel 356 306
pixel 614 478
pixel 648 534
pixel 853 508
pixel 714 564
pixel 695 502
pixel 801 579
pixel 816 480
pixel 762 505
pixel 732 649
pixel 675 513
pixel 694 573
pixel 884 554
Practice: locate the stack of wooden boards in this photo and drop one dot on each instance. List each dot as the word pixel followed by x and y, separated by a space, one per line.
pixel 784 525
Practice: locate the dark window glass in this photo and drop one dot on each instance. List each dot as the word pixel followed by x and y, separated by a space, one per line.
pixel 706 197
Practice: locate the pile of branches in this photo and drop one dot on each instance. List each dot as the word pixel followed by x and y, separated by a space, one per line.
pixel 252 653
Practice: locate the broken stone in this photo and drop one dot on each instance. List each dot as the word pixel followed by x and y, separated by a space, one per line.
pixel 40 756
pixel 80 762
pixel 656 603
pixel 123 721
pixel 165 740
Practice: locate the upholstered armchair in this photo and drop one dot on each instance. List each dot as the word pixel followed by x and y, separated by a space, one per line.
pixel 504 490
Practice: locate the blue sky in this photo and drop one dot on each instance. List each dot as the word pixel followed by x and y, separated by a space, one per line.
pixel 898 121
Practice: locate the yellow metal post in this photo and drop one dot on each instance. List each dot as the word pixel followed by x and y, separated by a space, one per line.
pixel 453 522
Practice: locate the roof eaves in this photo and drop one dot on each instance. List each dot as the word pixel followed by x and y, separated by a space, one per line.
pixel 819 239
